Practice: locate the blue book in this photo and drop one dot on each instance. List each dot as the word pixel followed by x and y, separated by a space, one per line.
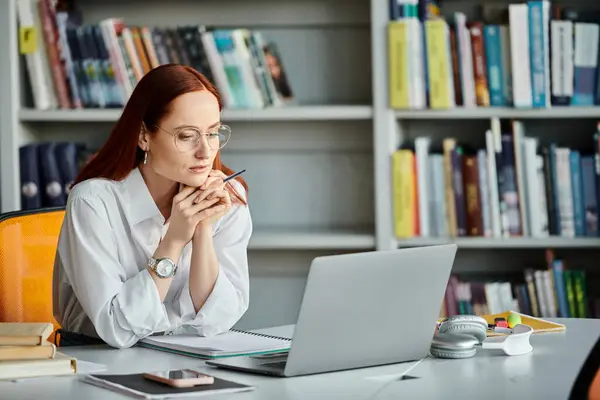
pixel 590 203
pixel 539 49
pixel 493 54
pixel 576 188
pixel 559 286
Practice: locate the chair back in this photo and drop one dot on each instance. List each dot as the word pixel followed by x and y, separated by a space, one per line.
pixel 28 241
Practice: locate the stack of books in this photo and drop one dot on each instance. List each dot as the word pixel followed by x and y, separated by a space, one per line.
pixel 25 352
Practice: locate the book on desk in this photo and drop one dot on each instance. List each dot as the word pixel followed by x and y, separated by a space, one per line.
pixel 25 352
pixel 232 343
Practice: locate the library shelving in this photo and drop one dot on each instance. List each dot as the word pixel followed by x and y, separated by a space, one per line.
pixel 441 106
pixel 320 167
pixel 290 113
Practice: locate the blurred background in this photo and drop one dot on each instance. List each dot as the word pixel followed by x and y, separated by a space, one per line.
pixel 363 125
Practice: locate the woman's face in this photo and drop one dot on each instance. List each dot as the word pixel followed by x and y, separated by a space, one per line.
pixel 175 150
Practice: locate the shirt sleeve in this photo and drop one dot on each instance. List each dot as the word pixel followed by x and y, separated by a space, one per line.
pixel 122 309
pixel 229 298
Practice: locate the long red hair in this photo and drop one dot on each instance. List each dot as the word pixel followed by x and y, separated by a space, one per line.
pixel 149 103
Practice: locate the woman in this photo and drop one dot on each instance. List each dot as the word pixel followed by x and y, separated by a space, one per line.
pixel 153 240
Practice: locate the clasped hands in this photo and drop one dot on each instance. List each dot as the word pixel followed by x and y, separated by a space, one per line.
pixel 195 209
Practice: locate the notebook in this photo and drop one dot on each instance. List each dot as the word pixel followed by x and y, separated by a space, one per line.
pixel 138 386
pixel 229 344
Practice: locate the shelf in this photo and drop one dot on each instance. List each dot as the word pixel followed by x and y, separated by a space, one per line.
pixel 309 113
pixel 501 112
pixel 507 243
pixel 307 240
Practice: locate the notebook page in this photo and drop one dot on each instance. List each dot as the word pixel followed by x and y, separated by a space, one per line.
pixel 229 342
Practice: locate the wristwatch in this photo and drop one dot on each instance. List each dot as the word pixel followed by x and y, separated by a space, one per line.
pixel 163 267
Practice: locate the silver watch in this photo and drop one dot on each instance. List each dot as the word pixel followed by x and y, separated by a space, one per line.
pixel 163 267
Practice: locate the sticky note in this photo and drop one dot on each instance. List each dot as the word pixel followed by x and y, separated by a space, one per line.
pixel 28 39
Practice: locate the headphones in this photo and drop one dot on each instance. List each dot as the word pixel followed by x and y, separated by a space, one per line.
pixel 458 336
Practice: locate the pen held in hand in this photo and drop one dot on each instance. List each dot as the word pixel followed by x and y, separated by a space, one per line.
pixel 232 176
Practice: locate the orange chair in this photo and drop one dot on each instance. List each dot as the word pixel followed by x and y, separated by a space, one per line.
pixel 28 241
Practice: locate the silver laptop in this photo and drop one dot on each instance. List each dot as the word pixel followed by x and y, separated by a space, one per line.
pixel 361 310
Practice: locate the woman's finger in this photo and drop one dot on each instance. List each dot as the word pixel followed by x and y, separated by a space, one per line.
pixel 189 200
pixel 204 194
pixel 204 204
pixel 210 212
pixel 212 182
pixel 184 193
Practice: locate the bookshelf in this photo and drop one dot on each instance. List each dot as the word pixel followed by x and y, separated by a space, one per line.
pixel 484 265
pixel 290 113
pixel 501 112
pixel 319 168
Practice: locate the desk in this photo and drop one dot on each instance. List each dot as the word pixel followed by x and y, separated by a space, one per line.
pixel 548 372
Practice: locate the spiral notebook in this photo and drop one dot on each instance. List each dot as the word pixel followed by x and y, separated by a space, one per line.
pixel 229 344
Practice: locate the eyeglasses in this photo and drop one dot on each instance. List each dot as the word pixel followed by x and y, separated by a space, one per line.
pixel 188 138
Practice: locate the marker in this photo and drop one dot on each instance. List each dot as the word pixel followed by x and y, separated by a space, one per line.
pixel 230 177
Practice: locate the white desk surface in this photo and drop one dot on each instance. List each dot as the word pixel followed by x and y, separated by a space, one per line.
pixel 548 372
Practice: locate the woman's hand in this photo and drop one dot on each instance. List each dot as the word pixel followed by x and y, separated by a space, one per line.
pixel 188 209
pixel 214 188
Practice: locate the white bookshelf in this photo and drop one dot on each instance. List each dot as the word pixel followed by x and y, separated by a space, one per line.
pixel 461 113
pixel 508 243
pixel 341 113
pixel 392 128
pixel 311 240
pixel 290 113
pixel 318 170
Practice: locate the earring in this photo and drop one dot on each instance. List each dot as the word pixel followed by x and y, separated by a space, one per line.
pixel 145 157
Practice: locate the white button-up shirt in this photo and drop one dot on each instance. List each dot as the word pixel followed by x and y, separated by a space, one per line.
pixel 102 287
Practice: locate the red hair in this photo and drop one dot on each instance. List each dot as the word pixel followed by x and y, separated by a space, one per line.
pixel 148 103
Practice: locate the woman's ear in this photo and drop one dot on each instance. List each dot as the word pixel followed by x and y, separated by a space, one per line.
pixel 143 139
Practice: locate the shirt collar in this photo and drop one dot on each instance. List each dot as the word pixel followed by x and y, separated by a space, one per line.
pixel 141 204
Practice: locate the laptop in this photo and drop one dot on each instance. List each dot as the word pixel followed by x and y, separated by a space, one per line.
pixel 361 310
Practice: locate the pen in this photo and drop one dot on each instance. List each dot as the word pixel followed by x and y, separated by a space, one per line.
pixel 230 177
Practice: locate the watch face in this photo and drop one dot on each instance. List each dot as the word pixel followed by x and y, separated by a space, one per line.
pixel 164 268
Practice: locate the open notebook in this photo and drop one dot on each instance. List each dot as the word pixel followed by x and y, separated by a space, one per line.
pixel 228 344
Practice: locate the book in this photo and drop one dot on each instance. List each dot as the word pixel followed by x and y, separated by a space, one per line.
pixel 137 385
pixel 24 333
pixel 229 344
pixel 44 351
pixel 61 364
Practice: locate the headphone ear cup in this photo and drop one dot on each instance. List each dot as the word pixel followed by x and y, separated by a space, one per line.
pixel 447 345
pixel 474 329
pixel 444 353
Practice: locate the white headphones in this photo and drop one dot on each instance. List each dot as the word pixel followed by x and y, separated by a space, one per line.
pixel 459 336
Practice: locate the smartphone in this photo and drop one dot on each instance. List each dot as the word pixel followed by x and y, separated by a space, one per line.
pixel 180 378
